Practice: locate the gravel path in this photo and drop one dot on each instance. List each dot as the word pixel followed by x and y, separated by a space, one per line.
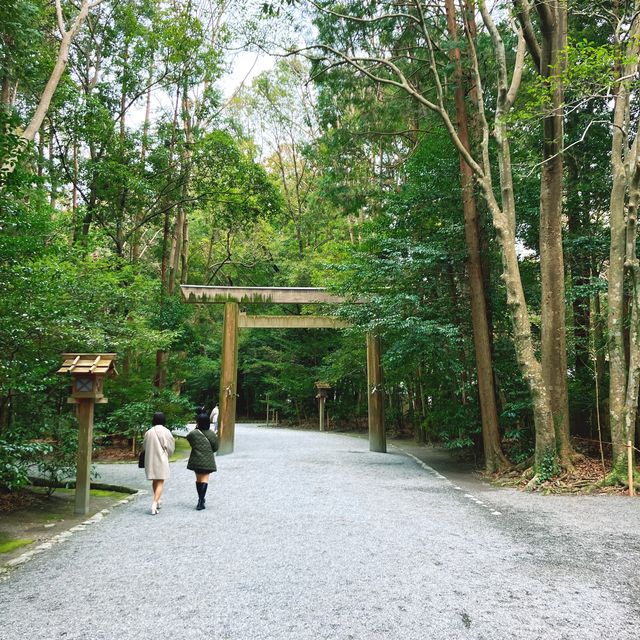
pixel 311 536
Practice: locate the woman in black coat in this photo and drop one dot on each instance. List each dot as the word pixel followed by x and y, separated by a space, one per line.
pixel 204 442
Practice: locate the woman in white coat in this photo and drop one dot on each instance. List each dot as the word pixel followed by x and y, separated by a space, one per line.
pixel 158 446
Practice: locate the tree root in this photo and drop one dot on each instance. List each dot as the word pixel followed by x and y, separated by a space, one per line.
pixel 524 465
pixel 567 466
pixel 569 461
pixel 534 483
pixel 620 479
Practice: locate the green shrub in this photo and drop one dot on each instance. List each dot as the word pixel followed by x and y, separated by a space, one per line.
pixel 60 462
pixel 132 419
pixel 15 460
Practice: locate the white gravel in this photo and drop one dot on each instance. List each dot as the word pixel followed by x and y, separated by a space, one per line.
pixel 311 536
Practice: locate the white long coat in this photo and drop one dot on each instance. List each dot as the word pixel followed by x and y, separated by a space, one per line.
pixel 158 446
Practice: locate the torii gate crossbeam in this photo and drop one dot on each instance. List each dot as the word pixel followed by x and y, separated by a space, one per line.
pixel 231 297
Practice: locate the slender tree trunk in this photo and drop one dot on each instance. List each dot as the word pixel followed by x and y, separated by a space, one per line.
pixel 5 91
pixel 632 266
pixel 183 248
pixel 546 449
pixel 504 221
pixel 617 360
pixel 174 255
pixel 160 378
pixel 180 239
pixel 62 59
pixel 599 347
pixel 53 182
pixel 578 210
pixel 137 234
pixel 553 20
pixel 40 155
pixel 74 187
pixel 184 253
pixel 620 402
pixel 493 455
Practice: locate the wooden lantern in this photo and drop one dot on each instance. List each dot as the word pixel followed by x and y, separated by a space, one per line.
pixel 322 389
pixel 88 371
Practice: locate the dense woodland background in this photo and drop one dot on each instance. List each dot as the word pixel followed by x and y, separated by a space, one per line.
pixel 470 170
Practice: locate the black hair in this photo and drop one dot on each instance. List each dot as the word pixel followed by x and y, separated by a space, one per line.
pixel 158 418
pixel 202 420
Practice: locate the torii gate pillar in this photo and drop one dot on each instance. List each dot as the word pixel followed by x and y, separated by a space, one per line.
pixel 232 296
pixel 229 377
pixel 375 395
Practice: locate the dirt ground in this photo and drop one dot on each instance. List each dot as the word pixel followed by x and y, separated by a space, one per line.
pixel 30 517
pixel 589 471
pixel 116 451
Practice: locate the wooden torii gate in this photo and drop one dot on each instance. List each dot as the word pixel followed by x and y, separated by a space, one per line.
pixel 232 297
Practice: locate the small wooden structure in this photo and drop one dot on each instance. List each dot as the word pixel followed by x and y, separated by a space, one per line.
pixel 321 396
pixel 232 297
pixel 88 371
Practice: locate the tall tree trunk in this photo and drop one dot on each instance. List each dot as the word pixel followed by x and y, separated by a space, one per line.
pixel 5 92
pixel 504 220
pixel 180 238
pixel 553 25
pixel 175 253
pixel 599 347
pixel 51 170
pixel 137 234
pixel 623 371
pixel 615 320
pixel 184 252
pixel 40 155
pixel 578 210
pixel 493 455
pixel 632 266
pixel 183 248
pixel 74 187
pixel 160 378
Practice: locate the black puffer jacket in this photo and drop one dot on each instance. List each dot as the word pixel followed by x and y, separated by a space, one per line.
pixel 203 444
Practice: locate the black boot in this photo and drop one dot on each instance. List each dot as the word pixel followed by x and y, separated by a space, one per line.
pixel 200 504
pixel 204 486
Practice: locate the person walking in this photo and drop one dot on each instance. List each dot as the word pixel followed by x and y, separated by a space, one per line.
pixel 158 446
pixel 215 412
pixel 204 443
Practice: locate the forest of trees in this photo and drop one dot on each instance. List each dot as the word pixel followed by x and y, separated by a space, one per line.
pixel 470 170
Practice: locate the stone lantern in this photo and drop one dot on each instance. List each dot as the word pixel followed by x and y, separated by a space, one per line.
pixel 88 371
pixel 322 392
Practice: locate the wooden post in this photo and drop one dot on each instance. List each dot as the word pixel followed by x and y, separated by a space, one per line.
pixel 632 489
pixel 377 437
pixel 267 409
pixel 85 445
pixel 88 371
pixel 322 400
pixel 229 377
